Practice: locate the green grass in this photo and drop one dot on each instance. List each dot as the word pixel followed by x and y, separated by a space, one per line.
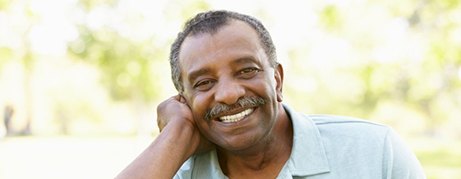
pixel 67 157
pixel 440 160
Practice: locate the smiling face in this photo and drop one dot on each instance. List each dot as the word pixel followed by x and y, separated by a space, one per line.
pixel 230 86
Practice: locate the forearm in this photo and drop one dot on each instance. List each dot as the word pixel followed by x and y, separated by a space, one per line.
pixel 165 155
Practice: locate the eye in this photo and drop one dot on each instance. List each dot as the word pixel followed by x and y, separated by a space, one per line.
pixel 204 85
pixel 247 73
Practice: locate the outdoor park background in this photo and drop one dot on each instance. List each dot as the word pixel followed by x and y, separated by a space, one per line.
pixel 84 76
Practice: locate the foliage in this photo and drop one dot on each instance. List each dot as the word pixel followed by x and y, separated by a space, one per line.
pixel 396 53
pixel 125 65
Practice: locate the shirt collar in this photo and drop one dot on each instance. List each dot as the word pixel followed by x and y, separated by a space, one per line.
pixel 308 156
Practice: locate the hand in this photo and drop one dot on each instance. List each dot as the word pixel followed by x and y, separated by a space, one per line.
pixel 173 108
pixel 176 110
pixel 178 140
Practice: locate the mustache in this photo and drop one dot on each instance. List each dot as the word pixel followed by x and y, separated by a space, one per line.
pixel 241 103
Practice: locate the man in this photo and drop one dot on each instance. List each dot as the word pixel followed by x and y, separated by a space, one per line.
pixel 8 113
pixel 228 120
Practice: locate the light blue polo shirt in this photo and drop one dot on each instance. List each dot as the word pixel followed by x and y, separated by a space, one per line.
pixel 330 147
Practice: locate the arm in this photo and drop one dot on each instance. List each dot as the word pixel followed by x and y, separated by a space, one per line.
pixel 178 140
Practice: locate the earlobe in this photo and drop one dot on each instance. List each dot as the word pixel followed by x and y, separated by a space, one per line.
pixel 181 98
pixel 279 81
pixel 184 97
pixel 279 97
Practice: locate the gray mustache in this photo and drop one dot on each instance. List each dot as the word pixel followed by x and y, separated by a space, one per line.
pixel 241 103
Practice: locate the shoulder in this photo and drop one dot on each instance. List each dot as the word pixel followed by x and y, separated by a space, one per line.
pixel 352 144
pixel 348 136
pixel 370 149
pixel 339 132
pixel 334 123
pixel 348 127
pixel 345 121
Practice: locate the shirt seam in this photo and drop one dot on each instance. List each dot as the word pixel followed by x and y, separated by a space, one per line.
pixel 388 171
pixel 316 118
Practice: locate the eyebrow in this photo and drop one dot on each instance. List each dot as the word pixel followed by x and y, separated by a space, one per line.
pixel 194 74
pixel 245 59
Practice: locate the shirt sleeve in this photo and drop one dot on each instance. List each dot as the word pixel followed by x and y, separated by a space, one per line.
pixel 399 161
pixel 185 172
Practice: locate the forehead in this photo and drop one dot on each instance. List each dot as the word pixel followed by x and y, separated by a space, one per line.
pixel 236 38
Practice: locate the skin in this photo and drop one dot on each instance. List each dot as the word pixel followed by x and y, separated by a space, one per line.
pixel 221 68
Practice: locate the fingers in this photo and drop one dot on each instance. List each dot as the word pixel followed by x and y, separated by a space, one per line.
pixel 174 107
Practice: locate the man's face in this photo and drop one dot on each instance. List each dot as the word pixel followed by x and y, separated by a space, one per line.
pixel 223 68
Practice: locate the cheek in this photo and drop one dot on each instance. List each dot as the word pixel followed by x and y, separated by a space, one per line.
pixel 264 86
pixel 199 105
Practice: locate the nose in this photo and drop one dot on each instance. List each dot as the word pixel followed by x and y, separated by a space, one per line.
pixel 228 92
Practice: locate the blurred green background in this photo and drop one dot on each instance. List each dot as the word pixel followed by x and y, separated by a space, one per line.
pixel 80 79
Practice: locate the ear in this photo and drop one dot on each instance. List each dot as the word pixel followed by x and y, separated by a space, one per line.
pixel 184 97
pixel 278 75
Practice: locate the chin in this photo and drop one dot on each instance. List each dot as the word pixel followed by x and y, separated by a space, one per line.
pixel 241 145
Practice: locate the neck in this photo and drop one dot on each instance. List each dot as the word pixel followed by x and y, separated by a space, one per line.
pixel 270 154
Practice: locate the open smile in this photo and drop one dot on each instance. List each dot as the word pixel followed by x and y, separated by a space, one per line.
pixel 236 117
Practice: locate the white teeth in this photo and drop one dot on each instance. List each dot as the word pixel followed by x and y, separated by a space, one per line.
pixel 236 117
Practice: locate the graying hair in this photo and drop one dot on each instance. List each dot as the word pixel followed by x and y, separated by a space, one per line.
pixel 210 22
